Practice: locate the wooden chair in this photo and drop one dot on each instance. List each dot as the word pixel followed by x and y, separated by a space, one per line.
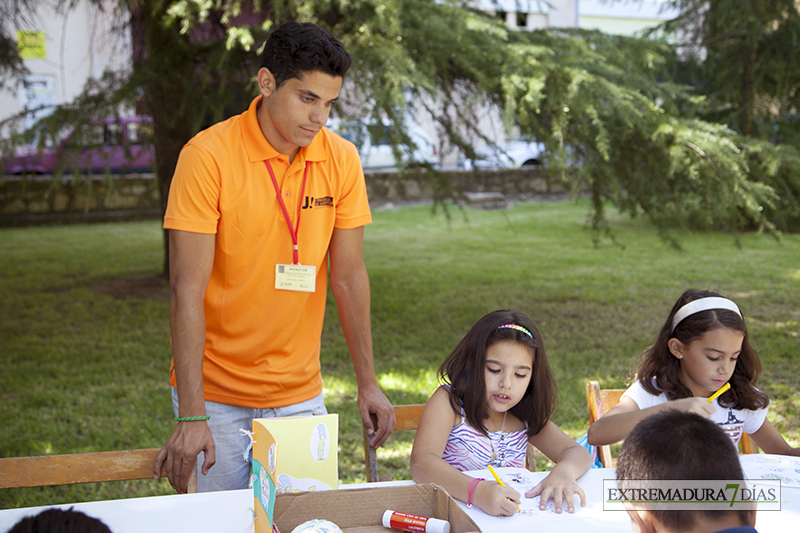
pixel 69 469
pixel 600 401
pixel 746 445
pixel 407 417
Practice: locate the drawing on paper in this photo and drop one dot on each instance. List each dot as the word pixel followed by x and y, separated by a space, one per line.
pixel 288 485
pixel 265 488
pixel 271 459
pixel 320 443
pixel 522 481
pixel 786 469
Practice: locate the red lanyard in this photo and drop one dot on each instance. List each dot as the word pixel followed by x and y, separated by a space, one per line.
pixel 292 232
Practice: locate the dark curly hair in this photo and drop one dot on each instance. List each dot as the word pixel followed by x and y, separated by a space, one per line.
pixel 464 371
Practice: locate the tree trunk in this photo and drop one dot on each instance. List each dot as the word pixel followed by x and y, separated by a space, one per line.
pixel 172 135
pixel 168 96
pixel 749 90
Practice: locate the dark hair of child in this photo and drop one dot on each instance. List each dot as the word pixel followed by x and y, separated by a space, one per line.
pixel 675 445
pixel 464 371
pixel 295 48
pixel 659 370
pixel 59 521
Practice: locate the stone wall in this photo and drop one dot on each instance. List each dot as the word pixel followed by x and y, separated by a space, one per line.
pixel 512 183
pixel 41 200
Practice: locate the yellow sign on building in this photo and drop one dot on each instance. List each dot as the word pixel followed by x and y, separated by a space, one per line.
pixel 31 44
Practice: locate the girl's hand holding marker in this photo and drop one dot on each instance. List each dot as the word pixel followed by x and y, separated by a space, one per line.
pixel 500 482
pixel 496 499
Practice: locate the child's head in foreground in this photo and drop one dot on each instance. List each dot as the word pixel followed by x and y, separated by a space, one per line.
pixel 676 445
pixel 59 521
pixel 467 369
pixel 703 344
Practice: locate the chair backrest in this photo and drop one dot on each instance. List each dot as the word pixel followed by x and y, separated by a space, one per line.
pixel 600 401
pixel 746 445
pixel 69 469
pixel 407 419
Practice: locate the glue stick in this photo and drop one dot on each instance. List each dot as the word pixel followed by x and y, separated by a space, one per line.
pixel 412 522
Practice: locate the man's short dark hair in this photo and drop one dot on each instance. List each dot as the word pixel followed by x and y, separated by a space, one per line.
pixel 295 48
pixel 682 446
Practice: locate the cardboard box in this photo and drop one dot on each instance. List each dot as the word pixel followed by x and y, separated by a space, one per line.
pixel 361 510
pixel 292 454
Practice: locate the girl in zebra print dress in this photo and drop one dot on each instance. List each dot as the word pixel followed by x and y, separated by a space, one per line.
pixel 498 396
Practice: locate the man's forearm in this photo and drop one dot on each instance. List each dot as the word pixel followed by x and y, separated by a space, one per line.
pixel 187 325
pixel 353 302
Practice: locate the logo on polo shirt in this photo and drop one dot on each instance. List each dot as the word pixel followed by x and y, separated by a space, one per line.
pixel 311 202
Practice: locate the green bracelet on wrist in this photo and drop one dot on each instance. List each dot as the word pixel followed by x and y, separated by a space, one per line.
pixel 191 418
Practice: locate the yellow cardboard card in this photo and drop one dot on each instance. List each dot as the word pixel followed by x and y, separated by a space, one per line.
pixel 308 445
pixel 264 470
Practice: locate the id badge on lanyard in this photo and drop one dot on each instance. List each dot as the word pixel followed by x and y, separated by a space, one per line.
pixel 293 277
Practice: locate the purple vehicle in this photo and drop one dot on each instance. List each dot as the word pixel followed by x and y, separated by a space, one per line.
pixel 117 145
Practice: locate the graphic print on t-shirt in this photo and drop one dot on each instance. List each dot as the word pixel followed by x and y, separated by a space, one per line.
pixel 732 427
pixel 311 202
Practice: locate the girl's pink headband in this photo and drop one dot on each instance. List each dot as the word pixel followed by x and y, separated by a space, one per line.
pixel 703 304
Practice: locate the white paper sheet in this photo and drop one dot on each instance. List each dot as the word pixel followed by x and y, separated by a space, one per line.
pixel 781 467
pixel 522 481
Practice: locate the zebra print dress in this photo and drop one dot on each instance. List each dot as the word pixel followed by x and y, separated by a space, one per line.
pixel 468 449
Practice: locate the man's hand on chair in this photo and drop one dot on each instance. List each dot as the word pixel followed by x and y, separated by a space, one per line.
pixel 179 454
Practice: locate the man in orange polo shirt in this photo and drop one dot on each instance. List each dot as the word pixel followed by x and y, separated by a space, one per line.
pixel 261 205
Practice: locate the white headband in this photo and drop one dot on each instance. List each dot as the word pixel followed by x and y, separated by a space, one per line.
pixel 704 304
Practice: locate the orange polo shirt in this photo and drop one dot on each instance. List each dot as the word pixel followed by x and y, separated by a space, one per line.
pixel 262 345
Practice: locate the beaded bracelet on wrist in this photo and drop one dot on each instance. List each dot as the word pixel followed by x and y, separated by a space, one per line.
pixel 191 418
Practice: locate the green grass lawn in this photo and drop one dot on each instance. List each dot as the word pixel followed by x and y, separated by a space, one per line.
pixel 85 370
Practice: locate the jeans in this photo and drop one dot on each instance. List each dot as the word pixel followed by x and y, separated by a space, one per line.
pixel 231 470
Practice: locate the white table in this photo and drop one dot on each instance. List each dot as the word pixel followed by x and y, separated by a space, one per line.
pixel 230 511
pixel 211 512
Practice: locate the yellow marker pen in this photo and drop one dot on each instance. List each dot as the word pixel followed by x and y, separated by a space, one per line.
pixel 500 482
pixel 716 394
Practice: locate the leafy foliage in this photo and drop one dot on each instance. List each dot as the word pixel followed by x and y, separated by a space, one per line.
pixel 746 55
pixel 600 103
pixel 617 114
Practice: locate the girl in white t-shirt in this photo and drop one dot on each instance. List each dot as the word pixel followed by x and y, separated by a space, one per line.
pixel 702 345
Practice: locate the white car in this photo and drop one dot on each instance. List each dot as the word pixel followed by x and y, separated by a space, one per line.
pixel 512 154
pixel 374 142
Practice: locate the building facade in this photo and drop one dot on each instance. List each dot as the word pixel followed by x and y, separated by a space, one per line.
pixel 63 49
pixel 66 47
pixel 622 17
